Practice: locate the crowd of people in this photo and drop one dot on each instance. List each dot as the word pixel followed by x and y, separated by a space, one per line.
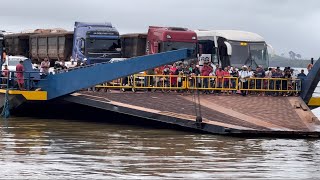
pixel 211 76
pixel 206 77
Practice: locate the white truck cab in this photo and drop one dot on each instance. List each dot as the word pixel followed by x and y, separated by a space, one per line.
pixel 13 61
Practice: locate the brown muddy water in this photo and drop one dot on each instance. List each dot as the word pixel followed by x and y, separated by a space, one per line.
pixel 75 149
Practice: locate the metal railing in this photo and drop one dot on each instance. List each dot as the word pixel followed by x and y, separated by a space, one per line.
pixel 29 79
pixel 212 83
pixel 171 82
pixel 185 82
pixel 126 83
pixel 271 85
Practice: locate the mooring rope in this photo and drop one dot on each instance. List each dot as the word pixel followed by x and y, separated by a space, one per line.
pixel 6 109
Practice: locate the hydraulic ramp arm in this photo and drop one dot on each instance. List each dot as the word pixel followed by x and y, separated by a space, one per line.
pixel 310 83
pixel 68 82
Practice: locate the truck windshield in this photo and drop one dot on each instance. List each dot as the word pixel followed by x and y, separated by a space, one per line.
pixel 102 45
pixel 170 46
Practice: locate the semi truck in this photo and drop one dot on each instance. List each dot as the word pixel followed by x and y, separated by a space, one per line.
pixel 231 47
pixel 158 39
pixel 94 43
pixel 90 42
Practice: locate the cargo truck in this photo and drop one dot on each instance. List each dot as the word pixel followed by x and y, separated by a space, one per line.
pixel 90 42
pixel 95 42
pixel 158 39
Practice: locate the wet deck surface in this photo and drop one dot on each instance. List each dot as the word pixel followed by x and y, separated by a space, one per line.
pixel 250 113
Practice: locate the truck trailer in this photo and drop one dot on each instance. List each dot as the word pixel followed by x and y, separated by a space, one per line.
pixel 18 44
pixel 55 46
pixel 133 45
pixel 90 42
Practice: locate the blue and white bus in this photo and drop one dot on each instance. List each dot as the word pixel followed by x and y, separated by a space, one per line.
pixel 231 47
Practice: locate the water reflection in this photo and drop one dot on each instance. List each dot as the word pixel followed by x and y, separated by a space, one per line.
pixel 59 149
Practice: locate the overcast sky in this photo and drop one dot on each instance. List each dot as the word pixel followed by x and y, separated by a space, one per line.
pixel 285 24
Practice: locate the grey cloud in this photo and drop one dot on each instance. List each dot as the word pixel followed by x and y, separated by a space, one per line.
pixel 286 24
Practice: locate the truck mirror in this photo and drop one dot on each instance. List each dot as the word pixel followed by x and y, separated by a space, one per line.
pixel 82 46
pixel 229 48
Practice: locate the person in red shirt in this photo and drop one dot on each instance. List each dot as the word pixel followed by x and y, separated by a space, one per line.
pixel 225 79
pixel 19 73
pixel 206 70
pixel 173 73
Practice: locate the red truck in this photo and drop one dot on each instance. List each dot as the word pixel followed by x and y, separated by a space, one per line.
pixel 158 39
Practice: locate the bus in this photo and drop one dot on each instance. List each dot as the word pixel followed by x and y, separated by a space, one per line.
pixel 232 48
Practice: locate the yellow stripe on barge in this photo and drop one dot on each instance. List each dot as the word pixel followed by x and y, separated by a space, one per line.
pixel 29 95
pixel 314 101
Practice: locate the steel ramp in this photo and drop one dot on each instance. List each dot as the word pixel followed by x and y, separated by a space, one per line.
pixel 310 83
pixel 65 83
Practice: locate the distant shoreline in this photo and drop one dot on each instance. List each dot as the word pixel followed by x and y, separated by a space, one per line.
pixel 283 62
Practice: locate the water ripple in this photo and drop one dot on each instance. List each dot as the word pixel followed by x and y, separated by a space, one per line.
pixel 48 149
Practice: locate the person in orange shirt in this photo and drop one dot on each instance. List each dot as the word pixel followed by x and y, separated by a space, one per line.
pixel 158 70
pixel 309 67
pixel 219 74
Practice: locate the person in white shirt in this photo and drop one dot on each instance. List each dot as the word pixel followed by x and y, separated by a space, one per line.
pixel 250 71
pixel 269 73
pixel 214 67
pixel 45 65
pixel 244 74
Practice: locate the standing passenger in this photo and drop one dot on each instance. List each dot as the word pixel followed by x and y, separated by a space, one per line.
pixel 206 70
pixel 173 72
pixel 309 67
pixel 244 75
pixel 226 75
pixel 260 73
pixel 20 78
pixel 5 75
pixel 45 65
pixel 219 74
pixel 194 73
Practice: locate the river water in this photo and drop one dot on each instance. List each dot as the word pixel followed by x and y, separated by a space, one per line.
pixel 60 149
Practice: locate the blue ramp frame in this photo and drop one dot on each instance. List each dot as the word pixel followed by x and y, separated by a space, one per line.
pixel 310 83
pixel 65 83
